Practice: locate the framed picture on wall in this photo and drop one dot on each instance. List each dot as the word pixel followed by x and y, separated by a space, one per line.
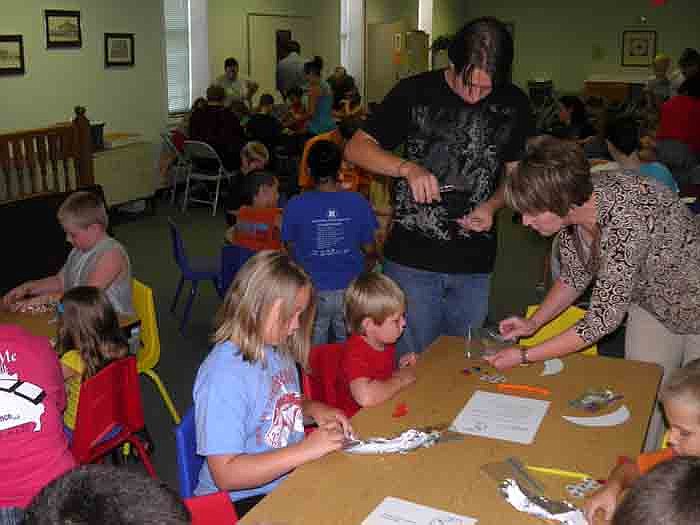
pixel 638 48
pixel 63 28
pixel 119 49
pixel 11 55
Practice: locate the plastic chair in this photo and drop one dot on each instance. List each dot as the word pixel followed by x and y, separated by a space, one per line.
pixel 148 355
pixel 556 326
pixel 202 270
pixel 189 463
pixel 181 166
pixel 201 150
pixel 256 228
pixel 110 412
pixel 212 509
pixel 320 384
pixel 232 258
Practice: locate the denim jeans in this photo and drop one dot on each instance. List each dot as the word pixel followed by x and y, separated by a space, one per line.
pixel 438 304
pixel 11 516
pixel 329 313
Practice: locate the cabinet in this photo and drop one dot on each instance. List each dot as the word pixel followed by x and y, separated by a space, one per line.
pixel 127 173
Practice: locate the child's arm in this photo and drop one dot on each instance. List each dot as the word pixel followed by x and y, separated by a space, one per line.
pixel 48 285
pixel 370 392
pixel 241 471
pixel 108 268
pixel 605 498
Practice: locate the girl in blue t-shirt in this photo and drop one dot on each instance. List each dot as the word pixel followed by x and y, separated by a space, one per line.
pixel 248 408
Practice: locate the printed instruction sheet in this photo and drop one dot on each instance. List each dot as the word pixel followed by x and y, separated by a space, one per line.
pixel 395 511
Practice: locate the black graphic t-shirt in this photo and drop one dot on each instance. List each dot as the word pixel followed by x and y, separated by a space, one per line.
pixel 463 145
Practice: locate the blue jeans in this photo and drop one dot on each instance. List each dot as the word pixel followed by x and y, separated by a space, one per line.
pixel 438 304
pixel 329 313
pixel 11 516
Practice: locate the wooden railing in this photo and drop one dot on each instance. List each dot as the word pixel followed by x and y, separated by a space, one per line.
pixel 46 160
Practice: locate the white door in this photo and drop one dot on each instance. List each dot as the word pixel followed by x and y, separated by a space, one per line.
pixel 262 46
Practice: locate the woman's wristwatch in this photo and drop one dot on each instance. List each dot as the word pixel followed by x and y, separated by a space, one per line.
pixel 524 361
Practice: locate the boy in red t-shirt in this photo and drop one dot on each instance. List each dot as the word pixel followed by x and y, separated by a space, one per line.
pixel 680 397
pixel 374 314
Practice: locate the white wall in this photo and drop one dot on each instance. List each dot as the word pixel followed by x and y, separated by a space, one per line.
pixel 130 99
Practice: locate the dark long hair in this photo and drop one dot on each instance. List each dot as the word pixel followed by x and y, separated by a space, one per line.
pixel 90 325
pixel 314 67
pixel 484 43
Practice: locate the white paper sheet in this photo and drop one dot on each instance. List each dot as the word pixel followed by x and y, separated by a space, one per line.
pixel 501 416
pixel 395 511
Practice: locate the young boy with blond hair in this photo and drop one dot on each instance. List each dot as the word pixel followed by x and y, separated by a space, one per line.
pixel 95 260
pixel 680 398
pixel 375 309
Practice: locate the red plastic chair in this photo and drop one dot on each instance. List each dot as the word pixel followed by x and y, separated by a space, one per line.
pixel 109 414
pixel 324 362
pixel 212 509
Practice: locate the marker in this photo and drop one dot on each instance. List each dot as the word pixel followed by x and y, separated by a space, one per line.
pixel 559 472
pixel 525 388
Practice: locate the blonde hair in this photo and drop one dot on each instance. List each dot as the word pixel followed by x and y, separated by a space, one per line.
pixel 264 279
pixel 83 209
pixel 256 151
pixel 683 385
pixel 372 295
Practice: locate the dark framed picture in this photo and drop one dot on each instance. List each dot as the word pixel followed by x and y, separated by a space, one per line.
pixel 63 28
pixel 11 55
pixel 638 48
pixel 119 49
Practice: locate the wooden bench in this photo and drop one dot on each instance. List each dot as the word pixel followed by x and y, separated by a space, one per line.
pixel 54 159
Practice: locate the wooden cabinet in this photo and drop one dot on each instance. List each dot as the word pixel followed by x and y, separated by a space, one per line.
pixel 127 173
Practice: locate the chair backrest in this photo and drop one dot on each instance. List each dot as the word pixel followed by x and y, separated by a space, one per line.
pixel 195 149
pixel 188 462
pixel 178 247
pixel 564 321
pixel 256 228
pixel 144 304
pixel 232 258
pixel 320 384
pixel 212 509
pixel 109 410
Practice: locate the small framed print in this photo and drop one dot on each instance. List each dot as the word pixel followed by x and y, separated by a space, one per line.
pixel 119 49
pixel 11 55
pixel 638 48
pixel 63 28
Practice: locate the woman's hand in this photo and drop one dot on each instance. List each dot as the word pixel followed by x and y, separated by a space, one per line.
pixel 479 220
pixel 506 358
pixel 424 185
pixel 514 327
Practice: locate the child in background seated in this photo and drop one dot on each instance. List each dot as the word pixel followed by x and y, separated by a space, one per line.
pixel 374 311
pixel 669 494
pixel 263 126
pixel 330 232
pixel 260 191
pixel 254 157
pixel 95 260
pixel 249 411
pixel 680 397
pixel 297 118
pixel 89 329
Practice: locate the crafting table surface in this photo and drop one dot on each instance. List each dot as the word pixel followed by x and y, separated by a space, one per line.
pixel 44 323
pixel 343 489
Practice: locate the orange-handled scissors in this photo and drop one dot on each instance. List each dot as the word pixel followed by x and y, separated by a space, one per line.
pixel 524 388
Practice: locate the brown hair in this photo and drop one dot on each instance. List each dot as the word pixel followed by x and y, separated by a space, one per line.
pixel 683 385
pixel 83 209
pixel 372 295
pixel 668 494
pixel 554 176
pixel 265 278
pixel 89 324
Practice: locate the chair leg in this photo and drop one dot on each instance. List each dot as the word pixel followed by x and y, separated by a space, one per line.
pixel 177 294
pixel 216 197
pixel 136 442
pixel 188 306
pixel 163 393
pixel 187 195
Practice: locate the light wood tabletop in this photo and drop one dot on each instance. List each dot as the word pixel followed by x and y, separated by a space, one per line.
pixel 45 323
pixel 342 488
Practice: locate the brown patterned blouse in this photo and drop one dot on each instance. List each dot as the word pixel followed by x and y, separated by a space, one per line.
pixel 649 255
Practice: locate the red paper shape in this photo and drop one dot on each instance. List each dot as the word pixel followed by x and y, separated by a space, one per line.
pixel 400 410
pixel 658 3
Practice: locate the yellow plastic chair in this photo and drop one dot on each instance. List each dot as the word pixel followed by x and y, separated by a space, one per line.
pixel 664 441
pixel 556 326
pixel 148 355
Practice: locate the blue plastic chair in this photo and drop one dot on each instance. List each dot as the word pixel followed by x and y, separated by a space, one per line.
pixel 232 258
pixel 188 462
pixel 200 270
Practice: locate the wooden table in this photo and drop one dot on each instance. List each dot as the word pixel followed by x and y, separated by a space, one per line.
pixel 44 324
pixel 343 489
